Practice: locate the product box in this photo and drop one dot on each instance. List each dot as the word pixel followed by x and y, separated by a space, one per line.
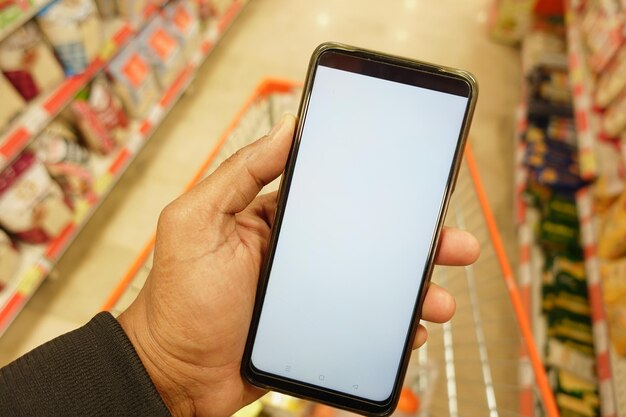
pixel 135 82
pixel 28 63
pixel 32 206
pixel 74 29
pixel 162 50
pixel 182 22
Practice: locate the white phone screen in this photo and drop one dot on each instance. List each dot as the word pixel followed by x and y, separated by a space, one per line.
pixel 368 183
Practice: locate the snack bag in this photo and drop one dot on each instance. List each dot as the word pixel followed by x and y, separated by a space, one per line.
pixel 99 116
pixel 612 81
pixel 612 238
pixel 28 63
pixel 12 102
pixel 74 30
pixel 163 51
pixel 66 160
pixel 9 259
pixel 31 204
pixel 135 82
pixel 613 275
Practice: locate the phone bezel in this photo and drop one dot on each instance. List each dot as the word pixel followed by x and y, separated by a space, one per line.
pixel 436 75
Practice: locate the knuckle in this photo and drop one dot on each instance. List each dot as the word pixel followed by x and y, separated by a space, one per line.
pixel 173 215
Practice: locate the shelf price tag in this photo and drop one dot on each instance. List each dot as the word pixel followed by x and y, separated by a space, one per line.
pixel 102 183
pixel 30 281
pixel 35 118
pixel 108 50
pixel 81 207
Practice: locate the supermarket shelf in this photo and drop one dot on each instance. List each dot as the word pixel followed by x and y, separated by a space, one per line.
pixel 39 260
pixel 41 111
pixel 582 87
pixel 227 144
pixel 611 370
pixel 25 17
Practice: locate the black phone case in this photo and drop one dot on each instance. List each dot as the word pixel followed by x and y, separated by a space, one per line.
pixel 315 393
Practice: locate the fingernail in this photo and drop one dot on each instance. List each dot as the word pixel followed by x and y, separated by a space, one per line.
pixel 278 125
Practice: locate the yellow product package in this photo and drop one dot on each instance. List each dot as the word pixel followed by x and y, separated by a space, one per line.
pixel 611 242
pixel 613 276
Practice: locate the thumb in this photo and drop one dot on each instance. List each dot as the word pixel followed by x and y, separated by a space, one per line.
pixel 238 180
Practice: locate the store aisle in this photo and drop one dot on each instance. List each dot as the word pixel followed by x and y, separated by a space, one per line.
pixel 271 38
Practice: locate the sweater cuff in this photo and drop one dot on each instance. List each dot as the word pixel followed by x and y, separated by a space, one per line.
pixel 93 370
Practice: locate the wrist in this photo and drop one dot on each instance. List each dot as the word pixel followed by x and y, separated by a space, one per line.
pixel 163 373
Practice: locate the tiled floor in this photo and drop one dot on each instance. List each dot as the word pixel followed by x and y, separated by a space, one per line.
pixel 271 37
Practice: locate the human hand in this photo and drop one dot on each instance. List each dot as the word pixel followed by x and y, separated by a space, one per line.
pixel 190 321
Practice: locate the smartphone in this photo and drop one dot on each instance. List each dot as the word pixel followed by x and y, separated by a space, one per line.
pixel 375 155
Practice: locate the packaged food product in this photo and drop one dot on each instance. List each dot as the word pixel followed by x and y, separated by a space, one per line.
pixel 182 22
pixel 612 81
pixel 611 242
pixel 74 30
pixel 614 119
pixel 550 84
pixel 9 259
pixel 132 10
pixel 31 203
pixel 163 51
pixel 11 11
pixel 66 160
pixel 613 275
pixel 99 116
pixel 135 82
pixel 574 396
pixel 602 25
pixel 12 102
pixel 611 175
pixel 28 63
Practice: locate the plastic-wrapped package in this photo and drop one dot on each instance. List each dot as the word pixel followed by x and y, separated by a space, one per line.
pixel 100 117
pixel 12 102
pixel 162 50
pixel 32 206
pixel 74 30
pixel 135 82
pixel 614 119
pixel 9 259
pixel 611 242
pixel 182 22
pixel 612 81
pixel 65 159
pixel 28 63
pixel 614 290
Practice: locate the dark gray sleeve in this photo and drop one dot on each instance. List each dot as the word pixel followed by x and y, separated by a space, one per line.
pixel 91 371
